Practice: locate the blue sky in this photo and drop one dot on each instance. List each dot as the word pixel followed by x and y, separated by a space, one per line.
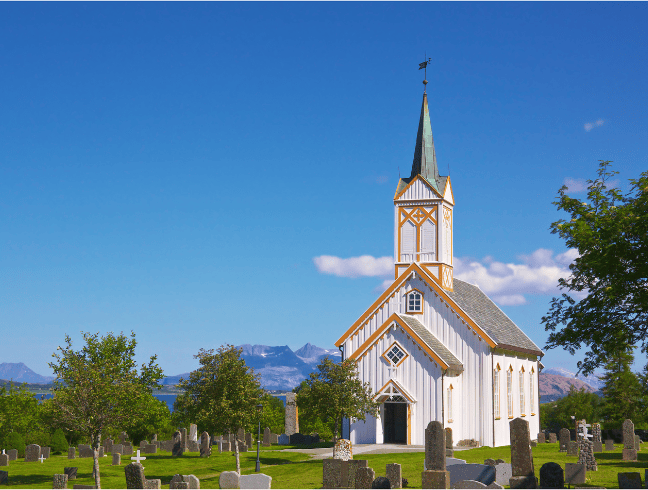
pixel 177 168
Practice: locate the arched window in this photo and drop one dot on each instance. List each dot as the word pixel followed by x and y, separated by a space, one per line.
pixel 414 301
pixel 531 392
pixel 522 404
pixel 496 391
pixel 450 403
pixel 509 391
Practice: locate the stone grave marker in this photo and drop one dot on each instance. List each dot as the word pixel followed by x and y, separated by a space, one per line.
pixel 183 439
pixel 283 439
pixel 226 445
pixel 60 481
pixel 628 434
pixel 575 473
pixel 142 444
pixel 521 456
pixel 565 437
pixel 116 459
pixel 291 420
pixel 332 472
pixel 13 454
pixel 482 473
pixel 127 449
pixel 364 477
pixel 101 452
pixel 150 449
pixel 541 438
pixel 32 453
pixel 205 448
pixel 71 472
pixel 4 478
pixel 274 438
pixel 552 476
pixel 552 438
pixel 193 447
pixel 629 455
pixel 178 449
pixel 637 443
pixel 343 450
pixel 123 437
pixel 255 480
pixel 350 471
pixel 153 484
pixel 177 482
pixel 192 481
pixel 469 484
pixel 629 480
pixel 4 459
pixel 609 445
pixel 193 432
pixel 85 451
pixel 449 446
pixel 45 452
pixel 266 436
pixel 572 448
pixel 395 475
pixel 503 473
pixel 134 475
pixel 229 479
pixel 243 448
pixel 117 448
pixel 248 439
pixel 435 474
pixel 240 435
pixel 108 443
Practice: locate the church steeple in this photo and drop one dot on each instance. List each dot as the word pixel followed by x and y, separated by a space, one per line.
pixel 425 163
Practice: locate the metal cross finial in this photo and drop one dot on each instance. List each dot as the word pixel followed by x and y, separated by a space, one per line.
pixel 423 66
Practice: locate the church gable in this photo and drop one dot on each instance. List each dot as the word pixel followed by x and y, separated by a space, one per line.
pixel 417 189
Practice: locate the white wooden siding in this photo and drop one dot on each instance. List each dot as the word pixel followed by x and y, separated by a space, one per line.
pixel 418 191
pixel 428 242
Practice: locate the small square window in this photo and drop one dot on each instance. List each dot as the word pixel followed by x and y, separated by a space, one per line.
pixel 395 354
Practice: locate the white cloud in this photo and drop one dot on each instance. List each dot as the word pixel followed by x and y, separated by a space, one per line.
pixel 362 266
pixel 589 126
pixel 506 283
pixel 575 185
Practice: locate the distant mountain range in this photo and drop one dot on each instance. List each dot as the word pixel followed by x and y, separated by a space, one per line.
pixel 282 369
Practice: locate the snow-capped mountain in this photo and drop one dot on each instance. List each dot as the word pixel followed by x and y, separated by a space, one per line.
pixel 312 355
pixel 593 380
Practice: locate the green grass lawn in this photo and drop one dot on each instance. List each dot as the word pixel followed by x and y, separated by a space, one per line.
pixel 295 470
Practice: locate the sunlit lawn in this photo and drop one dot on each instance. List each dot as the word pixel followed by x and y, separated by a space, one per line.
pixel 295 470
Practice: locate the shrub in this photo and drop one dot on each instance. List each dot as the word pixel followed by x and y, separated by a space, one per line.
pixel 14 440
pixel 58 443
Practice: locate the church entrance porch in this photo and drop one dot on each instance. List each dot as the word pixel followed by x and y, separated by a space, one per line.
pixel 395 423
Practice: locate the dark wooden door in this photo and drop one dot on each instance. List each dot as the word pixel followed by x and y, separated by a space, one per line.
pixel 396 423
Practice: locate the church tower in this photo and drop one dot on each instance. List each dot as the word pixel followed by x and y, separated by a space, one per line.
pixel 423 217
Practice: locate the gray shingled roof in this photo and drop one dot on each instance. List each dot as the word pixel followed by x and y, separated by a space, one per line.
pixel 432 342
pixel 490 318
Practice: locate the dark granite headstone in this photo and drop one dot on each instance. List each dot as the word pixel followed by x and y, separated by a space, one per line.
pixel 552 476
pixel 71 472
pixel 565 437
pixel 521 455
pixel 150 449
pixel 572 448
pixel 575 473
pixel 482 473
pixel 45 452
pixel 13 454
pixel 380 482
pixel 178 448
pixel 205 447
pixel 134 475
pixel 629 480
pixel 4 460
pixel 4 478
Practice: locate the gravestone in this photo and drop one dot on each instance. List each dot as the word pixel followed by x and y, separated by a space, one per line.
pixel 192 481
pixel 143 444
pixel 575 473
pixel 629 455
pixel 469 484
pixel 450 462
pixel 572 448
pixel 117 448
pixel 364 477
pixel 609 444
pixel 123 437
pixel 564 439
pixel 596 432
pixel 116 459
pixel 597 446
pixel 193 432
pixel 243 448
pixel 205 448
pixel 225 446
pixel 541 438
pixel 153 484
pixel 60 481
pixel 266 436
pixel 240 435
pixel 4 460
pixel 127 449
pixel 45 452
pixel 552 476
pixel 101 452
pixel 629 480
pixel 229 479
pixel 381 482
pixel 154 438
pixel 178 483
pixel 134 475
pixel 395 475
pixel 178 449
pixel 85 451
pixel 503 473
pixel 183 439
pixel 291 418
pixel 350 471
pixel 552 438
pixel 283 439
pixel 32 453
pixel 482 473
pixel 108 443
pixel 71 472
pixel 521 456
pixel 255 480
pixel 637 443
pixel 628 434
pixel 150 449
pixel 193 447
pixel 449 447
pixel 13 454
pixel 435 474
pixel 4 478
pixel 343 450
pixel 248 439
pixel 274 438
pixel 332 472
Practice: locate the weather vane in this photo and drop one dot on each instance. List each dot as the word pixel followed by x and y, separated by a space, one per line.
pixel 423 66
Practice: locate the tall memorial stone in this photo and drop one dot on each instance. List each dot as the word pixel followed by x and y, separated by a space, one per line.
pixel 291 418
pixel 248 439
pixel 628 434
pixel 448 443
pixel 266 436
pixel 395 475
pixel 193 432
pixel 596 438
pixel 205 448
pixel 177 449
pixel 32 453
pixel 435 474
pixel 521 455
pixel 564 437
pixel 183 439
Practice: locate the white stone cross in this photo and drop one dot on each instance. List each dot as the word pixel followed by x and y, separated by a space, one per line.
pixel 138 458
pixel 42 458
pixel 3 451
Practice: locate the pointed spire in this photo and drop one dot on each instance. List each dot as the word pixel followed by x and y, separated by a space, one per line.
pixel 425 163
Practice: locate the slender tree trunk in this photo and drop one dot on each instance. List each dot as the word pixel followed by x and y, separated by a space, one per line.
pixel 236 452
pixel 95 456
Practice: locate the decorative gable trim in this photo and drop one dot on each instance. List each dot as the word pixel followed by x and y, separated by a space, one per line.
pixel 417 177
pixel 447 192
pixel 431 283
pixel 392 385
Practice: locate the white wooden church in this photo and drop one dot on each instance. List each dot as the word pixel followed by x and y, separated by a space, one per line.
pixel 434 347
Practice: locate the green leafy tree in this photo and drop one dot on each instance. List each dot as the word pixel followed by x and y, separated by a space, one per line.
pixel 273 415
pixel 99 387
pixel 221 395
pixel 622 391
pixel 14 440
pixel 334 392
pixel 310 421
pixel 579 403
pixel 19 410
pixel 58 442
pixel 155 418
pixel 610 232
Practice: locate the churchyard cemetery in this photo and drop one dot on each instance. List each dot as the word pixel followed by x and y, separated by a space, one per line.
pixel 296 466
